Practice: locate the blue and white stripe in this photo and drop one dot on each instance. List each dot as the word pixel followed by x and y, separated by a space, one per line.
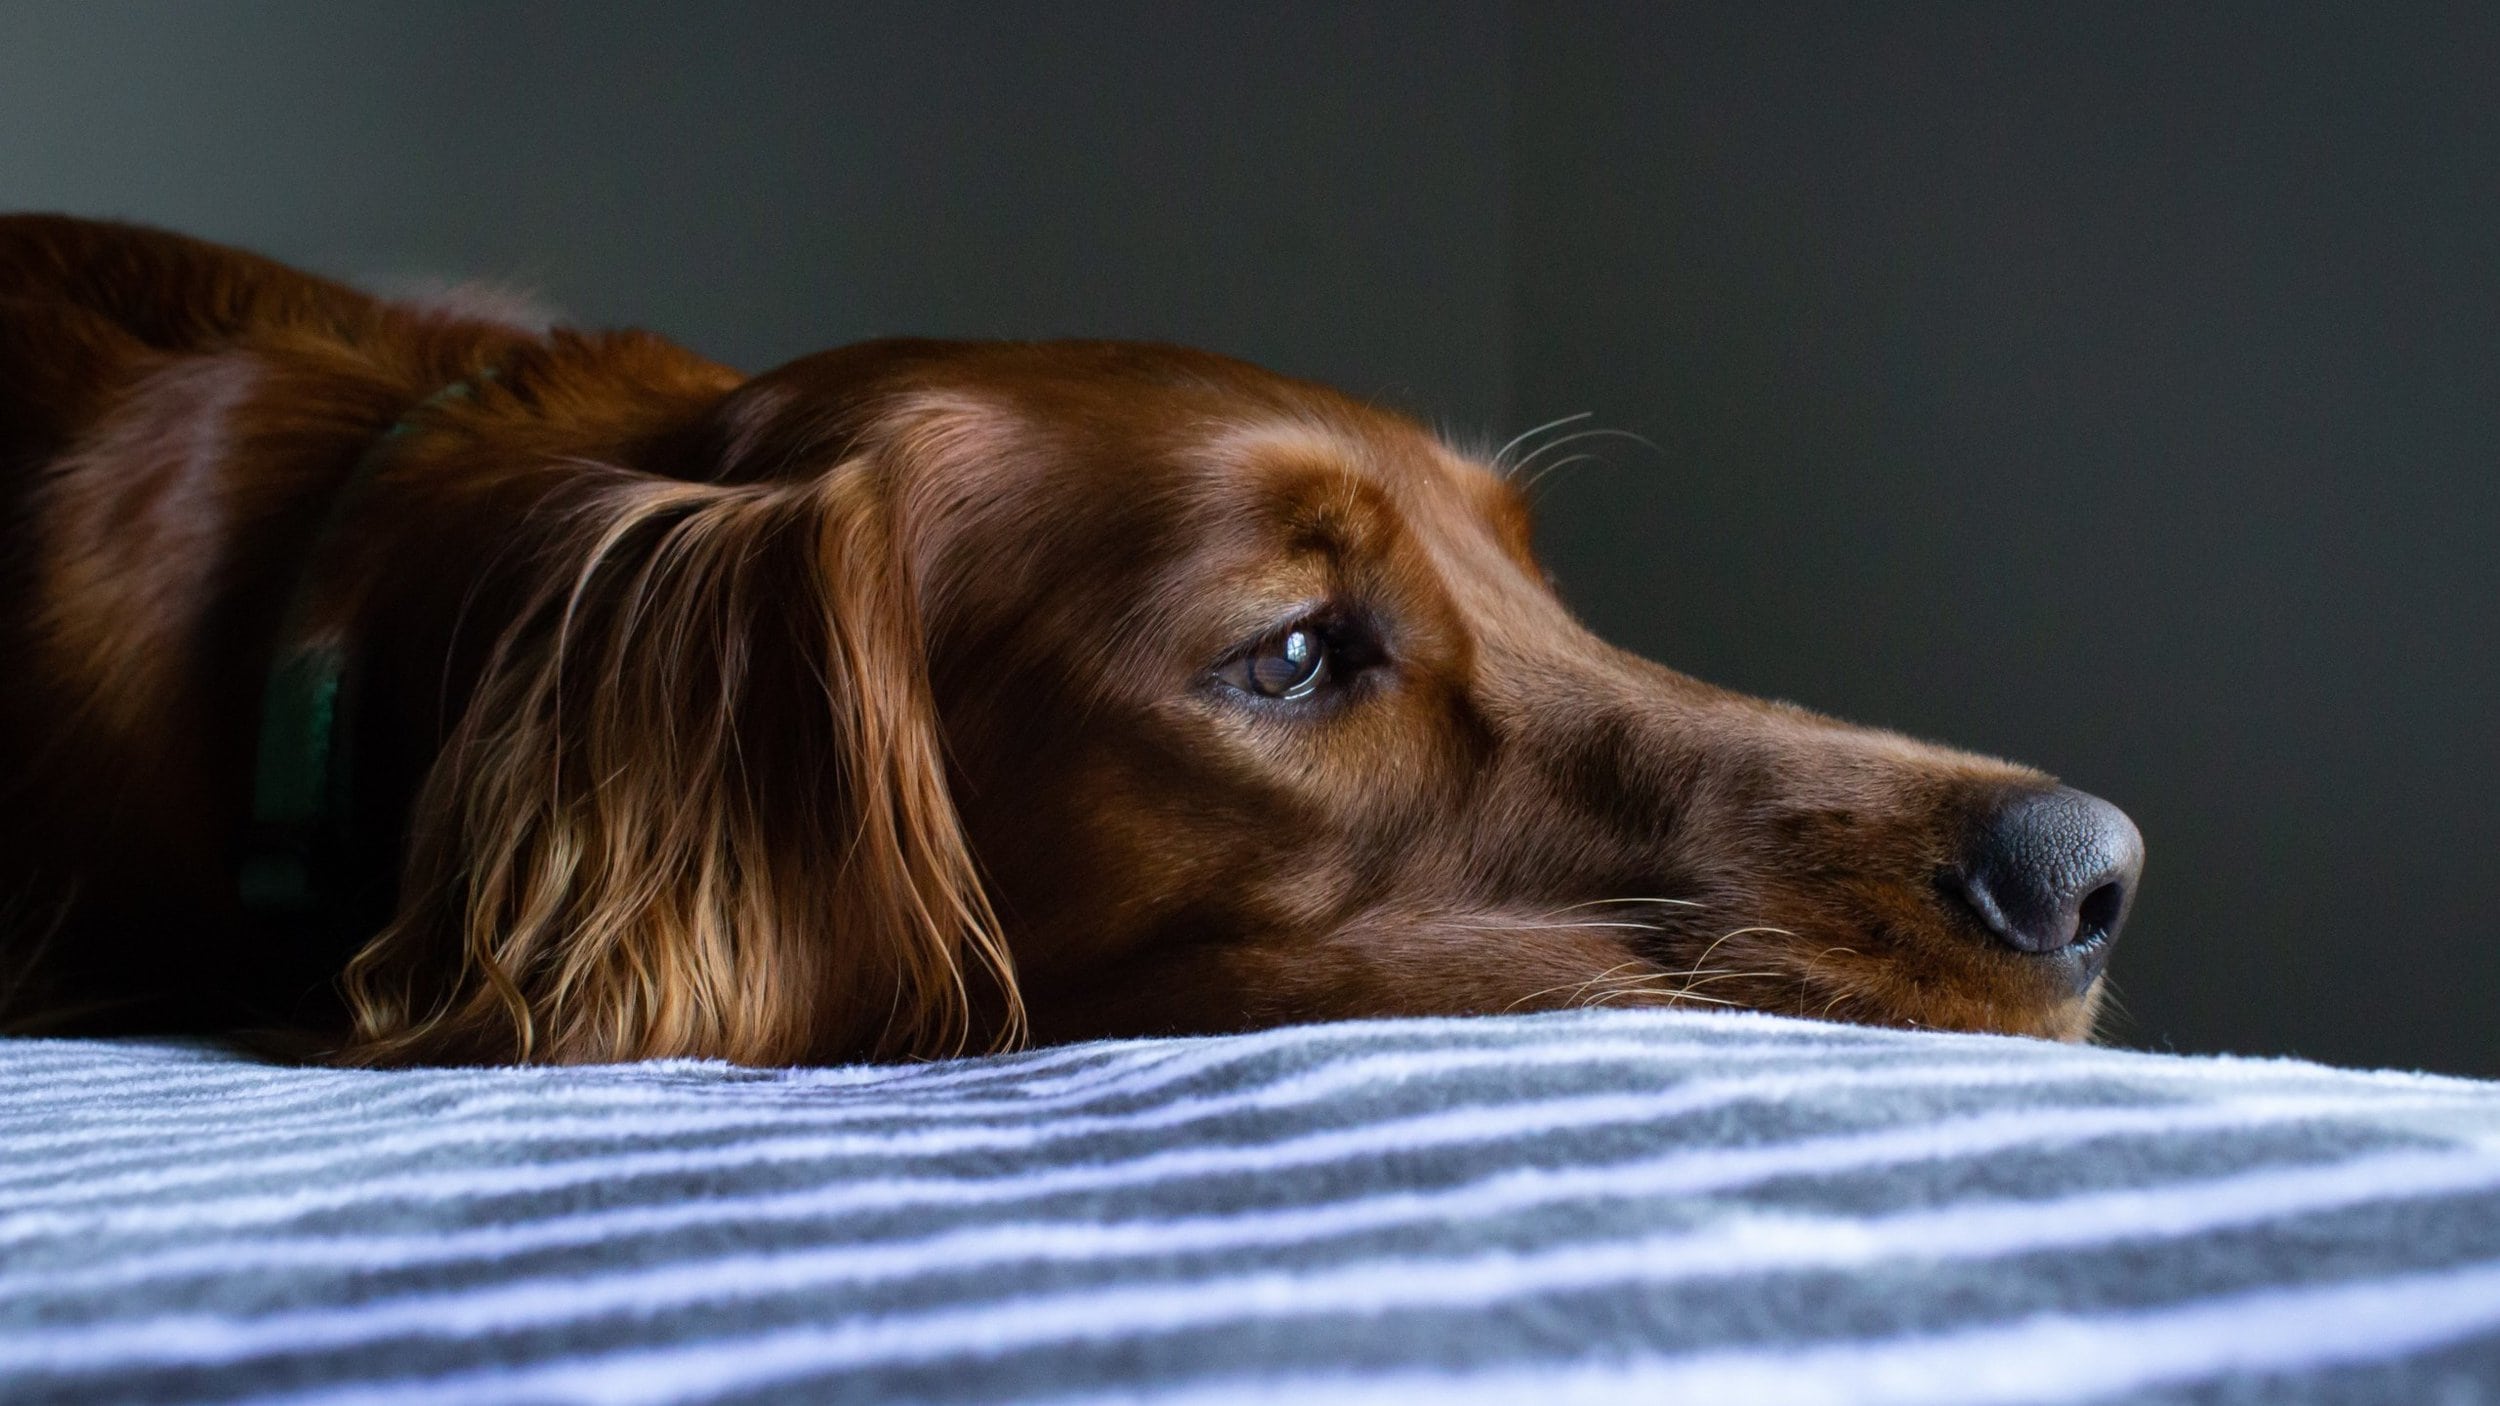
pixel 1599 1206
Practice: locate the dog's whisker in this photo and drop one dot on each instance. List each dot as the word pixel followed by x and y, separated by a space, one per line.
pixel 1524 436
pixel 1586 983
pixel 1548 927
pixel 1682 986
pixel 1718 973
pixel 1583 995
pixel 1630 983
pixel 1548 471
pixel 1574 987
pixel 1575 437
pixel 1580 994
pixel 1554 920
pixel 1737 932
pixel 1663 998
pixel 2111 1017
pixel 1603 902
pixel 1708 977
pixel 1700 961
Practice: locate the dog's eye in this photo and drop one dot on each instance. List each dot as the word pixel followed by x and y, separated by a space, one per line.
pixel 1291 665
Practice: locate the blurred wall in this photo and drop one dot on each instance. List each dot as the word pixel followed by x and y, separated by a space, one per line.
pixel 2113 387
pixel 1318 187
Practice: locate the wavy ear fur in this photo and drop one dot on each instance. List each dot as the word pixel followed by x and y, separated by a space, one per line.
pixel 697 806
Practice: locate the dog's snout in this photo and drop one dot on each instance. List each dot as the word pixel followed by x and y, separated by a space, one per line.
pixel 2052 870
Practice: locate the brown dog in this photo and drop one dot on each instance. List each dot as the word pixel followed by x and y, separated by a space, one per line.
pixel 573 698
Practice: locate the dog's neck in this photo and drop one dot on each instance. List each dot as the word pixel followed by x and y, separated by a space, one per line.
pixel 301 867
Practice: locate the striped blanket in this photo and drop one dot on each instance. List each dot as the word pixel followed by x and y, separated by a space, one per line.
pixel 1600 1206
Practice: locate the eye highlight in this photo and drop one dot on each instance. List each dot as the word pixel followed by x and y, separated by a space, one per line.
pixel 1304 660
pixel 1291 665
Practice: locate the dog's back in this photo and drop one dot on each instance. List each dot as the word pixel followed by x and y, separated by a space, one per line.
pixel 178 422
pixel 126 357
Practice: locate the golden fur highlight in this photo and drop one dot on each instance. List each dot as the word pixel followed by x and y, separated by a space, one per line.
pixel 699 809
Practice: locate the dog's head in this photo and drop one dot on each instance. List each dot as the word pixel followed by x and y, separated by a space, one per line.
pixel 1139 690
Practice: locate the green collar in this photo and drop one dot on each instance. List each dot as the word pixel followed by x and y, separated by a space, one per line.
pixel 300 850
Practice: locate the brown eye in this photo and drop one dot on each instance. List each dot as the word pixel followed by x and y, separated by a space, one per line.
pixel 1291 665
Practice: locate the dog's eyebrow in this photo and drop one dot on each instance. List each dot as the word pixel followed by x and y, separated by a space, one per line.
pixel 1312 472
pixel 1336 504
pixel 1269 440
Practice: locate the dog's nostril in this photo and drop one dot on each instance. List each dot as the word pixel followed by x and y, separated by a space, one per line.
pixel 2046 870
pixel 2100 911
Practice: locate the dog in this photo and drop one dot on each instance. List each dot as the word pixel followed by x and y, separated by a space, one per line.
pixel 461 692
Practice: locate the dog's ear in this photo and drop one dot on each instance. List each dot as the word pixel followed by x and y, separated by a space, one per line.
pixel 696 806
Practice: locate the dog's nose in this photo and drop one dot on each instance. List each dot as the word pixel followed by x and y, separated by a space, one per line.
pixel 2049 870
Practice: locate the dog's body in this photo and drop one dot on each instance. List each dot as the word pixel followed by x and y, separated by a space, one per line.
pixel 881 703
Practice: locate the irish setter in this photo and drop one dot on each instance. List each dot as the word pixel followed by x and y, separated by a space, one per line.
pixel 468 693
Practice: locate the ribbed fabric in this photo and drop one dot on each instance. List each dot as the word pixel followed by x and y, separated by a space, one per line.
pixel 1599 1206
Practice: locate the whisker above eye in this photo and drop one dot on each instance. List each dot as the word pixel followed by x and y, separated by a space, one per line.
pixel 1528 434
pixel 1546 471
pixel 1574 437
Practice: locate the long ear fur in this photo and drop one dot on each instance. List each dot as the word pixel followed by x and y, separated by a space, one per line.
pixel 696 806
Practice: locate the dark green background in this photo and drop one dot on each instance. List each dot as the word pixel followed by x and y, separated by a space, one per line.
pixel 2112 387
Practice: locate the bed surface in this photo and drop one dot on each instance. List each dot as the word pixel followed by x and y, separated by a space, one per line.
pixel 1598 1206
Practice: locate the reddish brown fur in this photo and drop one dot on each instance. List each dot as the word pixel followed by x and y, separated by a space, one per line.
pixel 865 707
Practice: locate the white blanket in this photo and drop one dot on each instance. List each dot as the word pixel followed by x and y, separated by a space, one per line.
pixel 1600 1206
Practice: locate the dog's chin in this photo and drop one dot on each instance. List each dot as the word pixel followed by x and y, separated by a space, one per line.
pixel 2058 996
pixel 2019 1010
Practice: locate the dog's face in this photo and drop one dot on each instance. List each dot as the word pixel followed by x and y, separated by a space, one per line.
pixel 1259 708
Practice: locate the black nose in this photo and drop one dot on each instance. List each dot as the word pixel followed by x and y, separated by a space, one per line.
pixel 2049 870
